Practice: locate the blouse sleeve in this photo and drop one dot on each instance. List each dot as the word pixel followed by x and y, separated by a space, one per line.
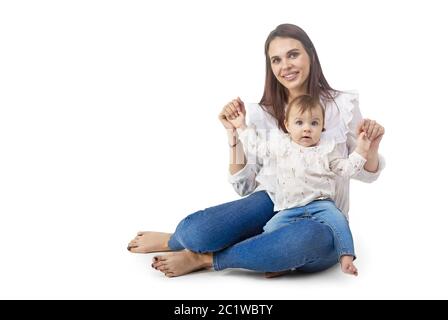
pixel 356 119
pixel 347 167
pixel 244 181
pixel 256 142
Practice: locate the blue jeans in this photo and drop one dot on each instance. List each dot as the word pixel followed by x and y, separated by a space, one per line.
pixel 322 211
pixel 234 233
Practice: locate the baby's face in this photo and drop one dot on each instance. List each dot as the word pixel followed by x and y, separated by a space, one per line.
pixel 305 128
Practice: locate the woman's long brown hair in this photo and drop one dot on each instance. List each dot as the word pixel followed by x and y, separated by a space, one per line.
pixel 275 96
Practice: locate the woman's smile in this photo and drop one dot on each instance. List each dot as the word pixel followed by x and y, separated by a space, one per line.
pixel 291 76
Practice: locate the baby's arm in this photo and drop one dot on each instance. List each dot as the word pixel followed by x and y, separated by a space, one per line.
pixel 355 162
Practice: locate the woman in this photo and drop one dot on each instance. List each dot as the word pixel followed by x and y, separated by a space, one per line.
pixel 231 235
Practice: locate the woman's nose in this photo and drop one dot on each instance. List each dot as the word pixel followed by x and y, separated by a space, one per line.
pixel 286 64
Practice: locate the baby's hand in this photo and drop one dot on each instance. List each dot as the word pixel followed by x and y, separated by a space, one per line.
pixel 362 144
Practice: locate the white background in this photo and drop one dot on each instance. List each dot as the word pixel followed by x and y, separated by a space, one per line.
pixel 108 126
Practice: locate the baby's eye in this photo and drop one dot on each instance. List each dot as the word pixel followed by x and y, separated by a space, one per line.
pixel 299 122
pixel 315 123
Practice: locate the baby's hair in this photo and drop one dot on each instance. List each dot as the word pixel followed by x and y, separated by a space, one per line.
pixel 305 103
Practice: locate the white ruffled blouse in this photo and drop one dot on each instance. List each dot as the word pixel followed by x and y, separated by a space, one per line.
pixel 302 174
pixel 341 119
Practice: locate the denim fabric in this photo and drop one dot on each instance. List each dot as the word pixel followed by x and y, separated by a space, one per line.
pixel 234 233
pixel 322 211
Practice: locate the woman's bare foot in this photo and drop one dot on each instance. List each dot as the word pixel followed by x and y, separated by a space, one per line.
pixel 180 263
pixel 347 265
pixel 149 241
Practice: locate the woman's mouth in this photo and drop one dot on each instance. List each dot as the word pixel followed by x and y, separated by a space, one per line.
pixel 291 76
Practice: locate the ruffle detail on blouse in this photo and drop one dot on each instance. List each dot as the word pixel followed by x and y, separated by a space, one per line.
pixel 326 145
pixel 284 143
pixel 346 103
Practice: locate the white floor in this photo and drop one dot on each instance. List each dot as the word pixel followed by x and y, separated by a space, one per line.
pixel 55 261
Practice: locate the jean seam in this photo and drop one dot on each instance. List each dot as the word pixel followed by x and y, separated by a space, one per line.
pixel 215 262
pixel 341 249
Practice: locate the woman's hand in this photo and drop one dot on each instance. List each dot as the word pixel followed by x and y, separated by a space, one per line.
pixel 363 144
pixel 233 115
pixel 375 133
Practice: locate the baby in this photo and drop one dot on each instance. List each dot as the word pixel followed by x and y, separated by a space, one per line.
pixel 305 166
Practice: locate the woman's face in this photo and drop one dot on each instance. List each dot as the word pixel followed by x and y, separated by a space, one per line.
pixel 290 64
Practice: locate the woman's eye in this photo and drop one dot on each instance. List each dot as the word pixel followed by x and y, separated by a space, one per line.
pixel 293 54
pixel 275 60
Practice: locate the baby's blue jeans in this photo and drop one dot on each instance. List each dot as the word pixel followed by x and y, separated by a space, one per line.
pixel 233 232
pixel 322 211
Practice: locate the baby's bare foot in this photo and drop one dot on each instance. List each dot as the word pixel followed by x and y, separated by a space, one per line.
pixel 347 265
pixel 180 263
pixel 149 241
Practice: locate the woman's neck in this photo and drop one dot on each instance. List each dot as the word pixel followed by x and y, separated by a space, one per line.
pixel 295 93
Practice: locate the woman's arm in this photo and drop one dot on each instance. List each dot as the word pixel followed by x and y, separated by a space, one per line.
pixel 241 174
pixel 372 163
pixel 229 119
pixel 375 162
pixel 237 158
pixel 374 132
pixel 245 140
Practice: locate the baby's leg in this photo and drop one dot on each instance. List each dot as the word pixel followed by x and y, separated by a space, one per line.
pixel 283 218
pixel 327 213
